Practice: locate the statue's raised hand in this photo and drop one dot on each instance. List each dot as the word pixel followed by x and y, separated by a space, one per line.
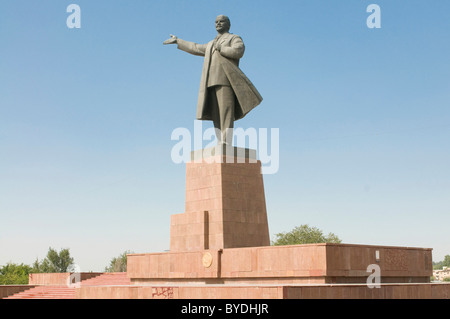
pixel 172 40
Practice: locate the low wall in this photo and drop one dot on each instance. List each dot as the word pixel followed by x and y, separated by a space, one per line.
pixel 57 279
pixel 181 292
pixel 327 291
pixel 9 290
pixel 386 291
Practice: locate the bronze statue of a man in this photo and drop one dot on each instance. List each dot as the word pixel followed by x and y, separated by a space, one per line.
pixel 226 94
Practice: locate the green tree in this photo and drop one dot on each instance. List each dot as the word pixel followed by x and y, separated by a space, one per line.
pixel 443 263
pixel 304 234
pixel 54 262
pixel 437 265
pixel 446 261
pixel 118 264
pixel 14 274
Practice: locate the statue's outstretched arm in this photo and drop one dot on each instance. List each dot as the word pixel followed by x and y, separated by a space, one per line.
pixel 187 46
pixel 191 47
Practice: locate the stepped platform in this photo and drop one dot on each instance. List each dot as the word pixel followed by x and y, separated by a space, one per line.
pixel 58 286
pixel 45 292
pixel 108 279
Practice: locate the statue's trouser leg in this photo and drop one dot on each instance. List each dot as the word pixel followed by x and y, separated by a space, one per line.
pixel 223 112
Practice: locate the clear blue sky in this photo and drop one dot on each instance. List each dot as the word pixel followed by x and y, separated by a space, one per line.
pixel 86 117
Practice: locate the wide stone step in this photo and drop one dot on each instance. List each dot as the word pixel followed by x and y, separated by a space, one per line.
pixel 47 292
pixel 108 279
pixel 64 292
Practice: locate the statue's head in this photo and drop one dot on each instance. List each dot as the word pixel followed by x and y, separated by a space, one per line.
pixel 222 24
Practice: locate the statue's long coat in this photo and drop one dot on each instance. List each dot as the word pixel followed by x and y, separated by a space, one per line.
pixel 232 49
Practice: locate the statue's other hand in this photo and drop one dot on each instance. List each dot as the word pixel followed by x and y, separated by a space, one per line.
pixel 172 40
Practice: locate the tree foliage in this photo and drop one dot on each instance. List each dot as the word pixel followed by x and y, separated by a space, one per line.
pixel 14 274
pixel 304 234
pixel 443 263
pixel 118 264
pixel 54 262
pixel 446 261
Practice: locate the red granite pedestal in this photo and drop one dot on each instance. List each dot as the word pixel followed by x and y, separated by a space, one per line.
pixel 223 238
pixel 220 248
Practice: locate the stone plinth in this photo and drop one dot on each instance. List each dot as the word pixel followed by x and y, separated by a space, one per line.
pixel 225 203
pixel 296 264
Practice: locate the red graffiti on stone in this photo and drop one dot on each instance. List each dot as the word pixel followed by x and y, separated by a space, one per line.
pixel 162 293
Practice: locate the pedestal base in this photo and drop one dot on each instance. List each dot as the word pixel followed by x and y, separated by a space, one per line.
pixel 219 248
pixel 297 264
pixel 315 271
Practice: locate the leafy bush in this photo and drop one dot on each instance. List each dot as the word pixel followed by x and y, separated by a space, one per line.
pixel 304 234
